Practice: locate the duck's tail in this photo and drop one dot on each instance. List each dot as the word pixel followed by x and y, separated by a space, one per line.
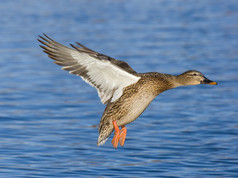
pixel 105 130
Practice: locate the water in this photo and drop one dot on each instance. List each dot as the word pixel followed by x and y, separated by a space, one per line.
pixel 49 119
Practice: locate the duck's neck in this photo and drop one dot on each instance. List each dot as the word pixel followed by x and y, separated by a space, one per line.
pixel 177 80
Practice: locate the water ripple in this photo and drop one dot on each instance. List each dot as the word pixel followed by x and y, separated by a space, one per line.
pixel 49 118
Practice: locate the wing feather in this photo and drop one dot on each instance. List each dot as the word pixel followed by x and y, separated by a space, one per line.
pixel 109 76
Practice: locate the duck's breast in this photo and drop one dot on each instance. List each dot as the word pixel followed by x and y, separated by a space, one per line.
pixel 134 105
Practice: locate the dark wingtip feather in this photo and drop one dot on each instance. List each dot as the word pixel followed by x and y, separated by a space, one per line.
pixel 75 47
pixel 48 37
pixel 43 42
pixel 42 46
pixel 83 46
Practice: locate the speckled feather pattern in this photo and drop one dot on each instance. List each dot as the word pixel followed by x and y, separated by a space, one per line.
pixel 133 102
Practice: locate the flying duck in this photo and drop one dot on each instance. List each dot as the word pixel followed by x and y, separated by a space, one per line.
pixel 125 92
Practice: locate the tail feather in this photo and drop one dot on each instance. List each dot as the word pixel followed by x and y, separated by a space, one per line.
pixel 105 130
pixel 102 140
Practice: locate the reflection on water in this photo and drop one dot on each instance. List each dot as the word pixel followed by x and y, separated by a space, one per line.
pixel 49 118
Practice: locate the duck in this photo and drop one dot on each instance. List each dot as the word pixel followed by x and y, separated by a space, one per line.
pixel 125 92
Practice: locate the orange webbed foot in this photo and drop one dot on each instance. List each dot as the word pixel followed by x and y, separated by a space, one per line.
pixel 116 135
pixel 122 135
pixel 119 136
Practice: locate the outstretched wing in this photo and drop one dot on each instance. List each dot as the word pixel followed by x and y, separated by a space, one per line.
pixel 109 76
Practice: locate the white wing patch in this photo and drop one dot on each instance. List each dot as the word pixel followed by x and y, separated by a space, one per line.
pixel 107 78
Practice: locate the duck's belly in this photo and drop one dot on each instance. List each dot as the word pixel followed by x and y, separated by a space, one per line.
pixel 135 109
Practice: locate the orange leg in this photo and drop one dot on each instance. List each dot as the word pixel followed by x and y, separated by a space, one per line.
pixel 118 135
pixel 122 135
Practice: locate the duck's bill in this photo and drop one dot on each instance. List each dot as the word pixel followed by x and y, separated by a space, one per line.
pixel 209 82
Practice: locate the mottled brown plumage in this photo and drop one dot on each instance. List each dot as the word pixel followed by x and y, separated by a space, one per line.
pixel 126 92
pixel 133 102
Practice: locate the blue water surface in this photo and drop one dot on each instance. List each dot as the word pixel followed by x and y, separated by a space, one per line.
pixel 49 118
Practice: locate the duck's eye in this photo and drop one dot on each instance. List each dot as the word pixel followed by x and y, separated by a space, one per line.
pixel 194 74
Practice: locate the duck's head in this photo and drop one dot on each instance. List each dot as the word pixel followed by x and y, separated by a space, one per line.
pixel 193 77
